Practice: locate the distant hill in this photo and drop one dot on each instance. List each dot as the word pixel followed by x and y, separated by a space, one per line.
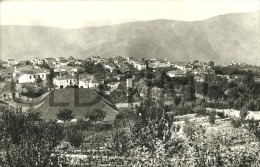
pixel 222 38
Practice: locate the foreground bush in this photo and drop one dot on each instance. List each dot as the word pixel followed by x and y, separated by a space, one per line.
pixel 27 141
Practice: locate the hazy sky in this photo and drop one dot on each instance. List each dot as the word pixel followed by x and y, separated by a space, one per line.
pixel 75 14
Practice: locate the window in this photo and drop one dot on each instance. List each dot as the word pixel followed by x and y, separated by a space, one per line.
pixel 34 76
pixel 39 76
pixel 30 77
pixel 42 75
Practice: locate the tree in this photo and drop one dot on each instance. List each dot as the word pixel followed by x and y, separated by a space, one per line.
pixel 75 137
pixel 103 87
pixel 65 114
pixel 215 92
pixel 25 142
pixel 44 66
pixel 123 118
pixel 38 80
pixel 205 88
pixel 95 114
pixel 99 70
pixel 190 89
pixel 120 141
pixel 211 63
pixel 195 61
pixel 89 66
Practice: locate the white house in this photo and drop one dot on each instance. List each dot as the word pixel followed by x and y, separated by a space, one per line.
pixel 109 66
pixel 10 61
pixel 28 74
pixel 64 62
pixel 89 81
pixel 176 74
pixel 139 65
pixel 69 69
pixel 9 90
pixel 153 63
pixel 65 81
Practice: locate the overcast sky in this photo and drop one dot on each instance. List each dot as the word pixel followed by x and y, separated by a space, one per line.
pixel 69 14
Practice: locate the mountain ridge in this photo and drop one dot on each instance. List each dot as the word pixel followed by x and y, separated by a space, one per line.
pixel 221 38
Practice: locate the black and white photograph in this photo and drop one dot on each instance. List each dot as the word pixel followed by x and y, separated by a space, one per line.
pixel 130 83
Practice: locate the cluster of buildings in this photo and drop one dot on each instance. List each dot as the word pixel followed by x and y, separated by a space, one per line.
pixel 50 75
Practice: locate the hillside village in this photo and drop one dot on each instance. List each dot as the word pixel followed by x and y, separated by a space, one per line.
pixel 130 84
pixel 24 82
pixel 103 109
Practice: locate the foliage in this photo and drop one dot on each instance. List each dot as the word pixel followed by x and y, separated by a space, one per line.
pixel 243 113
pixel 123 118
pixel 189 129
pixel 119 96
pixel 254 126
pixel 200 110
pixel 215 92
pixel 44 66
pixel 89 66
pixel 212 117
pixel 38 80
pixel 236 123
pixel 211 63
pixel 25 142
pixel 75 136
pixel 120 141
pixel 190 89
pixel 95 115
pixel 92 68
pixel 65 114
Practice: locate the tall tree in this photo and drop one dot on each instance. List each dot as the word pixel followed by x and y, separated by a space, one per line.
pixel 190 89
pixel 205 88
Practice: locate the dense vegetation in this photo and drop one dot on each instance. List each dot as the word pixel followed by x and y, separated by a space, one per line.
pixel 148 135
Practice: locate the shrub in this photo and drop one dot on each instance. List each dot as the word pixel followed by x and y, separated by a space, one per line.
pixel 189 129
pixel 75 137
pixel 200 111
pixel 212 117
pixel 243 113
pixel 236 123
